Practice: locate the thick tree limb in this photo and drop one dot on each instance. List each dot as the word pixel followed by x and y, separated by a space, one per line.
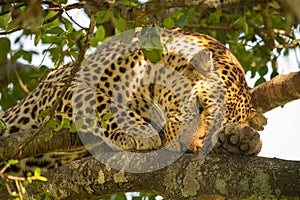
pixel 187 178
pixel 276 92
pixel 60 141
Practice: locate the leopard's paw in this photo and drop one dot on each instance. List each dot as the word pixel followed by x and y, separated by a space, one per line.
pixel 238 139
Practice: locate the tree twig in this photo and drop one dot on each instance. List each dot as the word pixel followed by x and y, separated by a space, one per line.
pixel 22 85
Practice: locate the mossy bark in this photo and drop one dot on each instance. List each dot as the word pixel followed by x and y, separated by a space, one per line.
pixel 189 177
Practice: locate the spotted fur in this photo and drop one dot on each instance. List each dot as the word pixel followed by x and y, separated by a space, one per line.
pixel 151 109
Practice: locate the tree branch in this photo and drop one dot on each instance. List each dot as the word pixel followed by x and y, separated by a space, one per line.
pixel 270 42
pixel 218 28
pixel 131 13
pixel 7 70
pixel 60 141
pixel 187 178
pixel 11 1
pixel 276 92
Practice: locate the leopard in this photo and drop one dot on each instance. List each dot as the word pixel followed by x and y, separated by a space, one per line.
pixel 194 97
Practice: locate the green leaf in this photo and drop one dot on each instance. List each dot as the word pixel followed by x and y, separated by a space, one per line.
pixel 107 117
pixel 50 15
pixel 68 25
pixel 45 198
pixel 103 16
pixel 37 175
pixel 49 39
pixel 2 124
pixel 4 19
pixel 181 21
pixel 28 174
pixel 74 35
pixel 47 136
pixel 100 33
pixel 150 38
pixel 168 22
pixel 127 36
pixel 120 197
pixel 263 70
pixel 153 55
pixel 37 37
pixel 44 113
pixel 91 124
pixel 15 194
pixel 176 15
pixel 239 21
pixel 42 178
pixel 12 162
pixel 275 5
pixel 119 22
pixel 274 73
pixel 65 123
pixel 55 30
pixel 73 128
pixel 77 125
pixel 131 2
pixel 5 48
pixel 214 17
pixel 246 27
pixel 260 81
pixel 52 124
pixel 26 55
pixel 37 172
pixel 103 124
pixel 96 114
pixel 99 36
pixel 85 62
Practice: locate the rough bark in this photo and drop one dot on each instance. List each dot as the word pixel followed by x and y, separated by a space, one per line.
pixel 60 141
pixel 276 92
pixel 187 178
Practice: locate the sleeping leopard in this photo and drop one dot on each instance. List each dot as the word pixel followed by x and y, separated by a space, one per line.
pixel 194 97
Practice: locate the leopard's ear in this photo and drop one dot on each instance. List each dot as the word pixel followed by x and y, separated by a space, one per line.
pixel 256 120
